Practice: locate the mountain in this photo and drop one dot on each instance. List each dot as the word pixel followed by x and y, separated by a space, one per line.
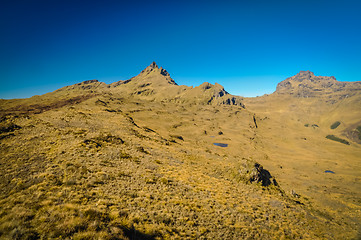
pixel 305 84
pixel 155 83
pixel 146 158
pixel 310 130
pixel 152 84
pixel 317 98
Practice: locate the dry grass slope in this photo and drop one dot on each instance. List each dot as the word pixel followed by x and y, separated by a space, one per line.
pixel 111 164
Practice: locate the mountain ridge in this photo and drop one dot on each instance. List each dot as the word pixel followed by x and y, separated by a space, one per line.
pixel 304 84
pixel 146 158
pixel 155 83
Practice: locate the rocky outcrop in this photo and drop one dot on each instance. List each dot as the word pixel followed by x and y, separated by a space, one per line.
pixel 121 82
pixel 210 94
pixel 88 85
pixel 230 100
pixel 164 72
pixel 89 81
pixel 261 175
pixel 153 68
pixel 150 68
pixel 254 172
pixel 222 97
pixel 302 75
pixel 205 86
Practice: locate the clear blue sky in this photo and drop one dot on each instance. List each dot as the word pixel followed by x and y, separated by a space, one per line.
pixel 246 46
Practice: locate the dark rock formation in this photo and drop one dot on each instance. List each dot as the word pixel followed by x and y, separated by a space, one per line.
pixel 254 172
pixel 232 100
pixel 164 72
pixel 120 82
pixel 150 68
pixel 302 75
pixel 88 84
pixel 89 81
pixel 261 175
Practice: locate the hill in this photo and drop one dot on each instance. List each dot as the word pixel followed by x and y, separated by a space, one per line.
pixel 146 158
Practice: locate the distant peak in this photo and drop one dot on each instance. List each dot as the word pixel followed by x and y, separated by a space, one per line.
pixel 90 81
pixel 206 85
pixel 153 65
pixel 154 70
pixel 305 73
pixel 302 75
pixel 150 68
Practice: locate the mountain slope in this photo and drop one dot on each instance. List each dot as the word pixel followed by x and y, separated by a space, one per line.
pixel 305 84
pixel 153 84
pixel 303 128
pixel 137 159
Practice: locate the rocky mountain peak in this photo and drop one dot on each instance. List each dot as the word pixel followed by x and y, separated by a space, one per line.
pixel 153 65
pixel 154 72
pixel 150 68
pixel 164 72
pixel 305 84
pixel 302 75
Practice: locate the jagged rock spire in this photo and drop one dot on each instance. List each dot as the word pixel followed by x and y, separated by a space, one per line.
pixel 153 65
pixel 150 68
pixel 154 69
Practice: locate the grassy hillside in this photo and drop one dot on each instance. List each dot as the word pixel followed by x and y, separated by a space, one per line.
pixel 293 134
pixel 137 160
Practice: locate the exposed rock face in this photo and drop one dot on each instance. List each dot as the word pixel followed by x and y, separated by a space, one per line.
pixel 232 100
pixel 220 91
pixel 222 97
pixel 302 75
pixel 90 81
pixel 283 86
pixel 261 175
pixel 164 72
pixel 254 172
pixel 116 84
pixel 205 86
pixel 207 93
pixel 150 68
pixel 86 85
pixel 305 84
pixel 153 68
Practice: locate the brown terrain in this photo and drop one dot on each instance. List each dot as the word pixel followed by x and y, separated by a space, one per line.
pixel 136 159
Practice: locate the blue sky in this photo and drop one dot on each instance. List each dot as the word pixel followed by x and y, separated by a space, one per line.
pixel 246 46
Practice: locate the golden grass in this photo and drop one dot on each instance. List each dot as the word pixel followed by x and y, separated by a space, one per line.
pixel 107 168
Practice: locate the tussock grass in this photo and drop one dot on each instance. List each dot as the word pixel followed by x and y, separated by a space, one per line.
pixel 98 175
